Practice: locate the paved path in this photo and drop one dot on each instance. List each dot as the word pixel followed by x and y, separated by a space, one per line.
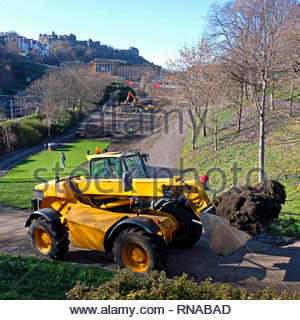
pixel 254 267
pixel 165 151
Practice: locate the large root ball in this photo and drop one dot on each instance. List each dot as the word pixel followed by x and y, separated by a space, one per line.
pixel 251 209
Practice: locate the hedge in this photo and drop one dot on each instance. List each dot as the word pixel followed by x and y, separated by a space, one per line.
pixel 156 286
pixel 29 131
pixel 38 125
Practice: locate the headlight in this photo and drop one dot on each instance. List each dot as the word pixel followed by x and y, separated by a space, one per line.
pixel 39 194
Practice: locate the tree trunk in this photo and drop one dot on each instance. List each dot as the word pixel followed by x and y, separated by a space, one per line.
pixel 261 156
pixel 291 102
pixel 194 138
pixel 216 141
pixel 238 120
pixel 216 135
pixel 246 91
pixel 204 123
pixel 204 128
pixel 261 146
pixel 239 110
pixel 49 127
pixel 272 98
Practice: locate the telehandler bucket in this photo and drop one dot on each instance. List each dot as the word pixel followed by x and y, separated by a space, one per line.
pixel 223 239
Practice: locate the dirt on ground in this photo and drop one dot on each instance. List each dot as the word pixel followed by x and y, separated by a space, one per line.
pixel 251 209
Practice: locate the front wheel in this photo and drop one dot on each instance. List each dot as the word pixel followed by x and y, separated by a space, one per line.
pixel 134 248
pixel 188 232
pixel 48 239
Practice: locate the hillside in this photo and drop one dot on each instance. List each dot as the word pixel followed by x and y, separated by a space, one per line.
pixel 21 63
pixel 15 70
pixel 70 51
pixel 282 155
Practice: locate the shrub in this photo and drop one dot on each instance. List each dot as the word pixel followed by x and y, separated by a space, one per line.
pixel 66 119
pixel 30 130
pixel 20 133
pixel 36 124
pixel 27 135
pixel 156 286
pixel 285 227
pixel 35 116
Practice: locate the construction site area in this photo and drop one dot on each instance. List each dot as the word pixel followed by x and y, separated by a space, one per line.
pixel 189 241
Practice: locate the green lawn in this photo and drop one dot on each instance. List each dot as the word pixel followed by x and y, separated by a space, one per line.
pixel 16 187
pixel 33 278
pixel 282 160
pixel 280 93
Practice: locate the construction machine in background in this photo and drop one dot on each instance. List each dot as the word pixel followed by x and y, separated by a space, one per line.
pixel 118 208
pixel 130 95
pixel 145 105
pixel 140 105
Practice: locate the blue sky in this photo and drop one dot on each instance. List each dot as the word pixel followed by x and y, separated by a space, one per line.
pixel 158 28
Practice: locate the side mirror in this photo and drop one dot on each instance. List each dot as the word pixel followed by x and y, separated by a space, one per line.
pixel 127 181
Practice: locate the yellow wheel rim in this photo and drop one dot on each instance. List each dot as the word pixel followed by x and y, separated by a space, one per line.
pixel 42 239
pixel 135 257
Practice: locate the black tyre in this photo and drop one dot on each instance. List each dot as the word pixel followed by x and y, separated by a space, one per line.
pixel 189 232
pixel 48 239
pixel 140 251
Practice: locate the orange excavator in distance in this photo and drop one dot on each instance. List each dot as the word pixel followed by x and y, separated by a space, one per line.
pixel 130 94
pixel 143 105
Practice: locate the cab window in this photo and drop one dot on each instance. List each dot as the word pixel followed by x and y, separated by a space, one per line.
pixel 106 168
pixel 135 165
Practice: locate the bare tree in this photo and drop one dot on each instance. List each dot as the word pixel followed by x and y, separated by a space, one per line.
pixel 236 93
pixel 58 91
pixel 288 85
pixel 95 86
pixel 190 79
pixel 217 99
pixel 256 37
pixel 48 95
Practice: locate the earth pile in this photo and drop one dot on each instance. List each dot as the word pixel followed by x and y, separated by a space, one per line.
pixel 251 208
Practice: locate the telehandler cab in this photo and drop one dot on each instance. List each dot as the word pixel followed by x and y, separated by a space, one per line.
pixel 119 208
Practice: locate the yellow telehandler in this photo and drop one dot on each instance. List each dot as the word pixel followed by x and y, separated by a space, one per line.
pixel 119 208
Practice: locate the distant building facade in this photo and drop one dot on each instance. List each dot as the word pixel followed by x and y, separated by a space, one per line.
pixel 117 68
pixel 26 45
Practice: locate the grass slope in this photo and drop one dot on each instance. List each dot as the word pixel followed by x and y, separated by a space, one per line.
pixel 33 278
pixel 282 159
pixel 283 95
pixel 16 187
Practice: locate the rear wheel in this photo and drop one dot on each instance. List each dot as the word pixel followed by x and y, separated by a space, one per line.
pixel 188 232
pixel 48 238
pixel 134 248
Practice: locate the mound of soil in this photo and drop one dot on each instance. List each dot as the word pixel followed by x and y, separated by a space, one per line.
pixel 251 209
